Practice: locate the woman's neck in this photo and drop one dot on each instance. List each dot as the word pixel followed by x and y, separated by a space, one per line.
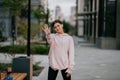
pixel 61 32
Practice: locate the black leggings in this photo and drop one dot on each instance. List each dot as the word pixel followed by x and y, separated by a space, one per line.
pixel 52 74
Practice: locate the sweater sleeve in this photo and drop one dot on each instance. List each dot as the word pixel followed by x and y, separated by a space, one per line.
pixel 71 56
pixel 49 38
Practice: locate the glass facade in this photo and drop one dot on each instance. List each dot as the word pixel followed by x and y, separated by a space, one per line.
pixel 110 18
pixel 99 18
pixel 107 18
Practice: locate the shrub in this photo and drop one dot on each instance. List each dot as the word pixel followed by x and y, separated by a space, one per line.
pixel 13 49
pixel 4 48
pixel 39 49
pixel 4 66
pixel 3 39
pixel 17 49
pixel 35 49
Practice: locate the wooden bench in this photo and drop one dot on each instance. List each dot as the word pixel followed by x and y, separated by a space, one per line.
pixel 16 76
pixel 2 75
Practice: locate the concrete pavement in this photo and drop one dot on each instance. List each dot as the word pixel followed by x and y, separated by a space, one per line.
pixel 91 63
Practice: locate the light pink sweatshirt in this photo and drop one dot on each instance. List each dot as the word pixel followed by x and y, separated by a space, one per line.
pixel 61 54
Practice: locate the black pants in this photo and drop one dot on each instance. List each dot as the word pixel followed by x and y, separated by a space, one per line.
pixel 53 74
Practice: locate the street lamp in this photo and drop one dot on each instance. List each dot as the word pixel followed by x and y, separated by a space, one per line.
pixel 25 63
pixel 29 28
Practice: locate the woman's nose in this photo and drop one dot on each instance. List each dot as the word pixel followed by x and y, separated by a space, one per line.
pixel 57 28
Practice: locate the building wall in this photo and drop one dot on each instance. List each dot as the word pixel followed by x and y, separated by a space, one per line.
pixel 80 25
pixel 107 25
pixel 100 22
pixel 80 6
pixel 72 16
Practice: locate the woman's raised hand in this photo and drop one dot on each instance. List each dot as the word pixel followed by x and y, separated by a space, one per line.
pixel 46 29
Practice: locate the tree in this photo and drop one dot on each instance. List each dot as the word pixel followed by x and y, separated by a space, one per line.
pixel 42 17
pixel 68 28
pixel 39 13
pixel 23 29
pixel 15 7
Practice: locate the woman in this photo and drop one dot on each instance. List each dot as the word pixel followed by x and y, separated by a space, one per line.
pixel 61 54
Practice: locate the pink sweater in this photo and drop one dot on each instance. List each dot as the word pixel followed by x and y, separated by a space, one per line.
pixel 61 54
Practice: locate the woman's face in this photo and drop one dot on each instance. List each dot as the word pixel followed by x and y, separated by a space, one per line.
pixel 58 27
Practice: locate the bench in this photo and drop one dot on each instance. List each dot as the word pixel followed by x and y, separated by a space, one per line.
pixel 2 75
pixel 16 76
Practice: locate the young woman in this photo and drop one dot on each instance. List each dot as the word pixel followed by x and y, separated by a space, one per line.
pixel 61 54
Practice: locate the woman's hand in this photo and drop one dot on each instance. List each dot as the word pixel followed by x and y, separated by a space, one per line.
pixel 46 29
pixel 68 74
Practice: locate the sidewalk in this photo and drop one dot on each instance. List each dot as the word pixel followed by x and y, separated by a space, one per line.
pixel 91 63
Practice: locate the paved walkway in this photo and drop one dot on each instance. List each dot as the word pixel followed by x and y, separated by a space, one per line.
pixel 91 63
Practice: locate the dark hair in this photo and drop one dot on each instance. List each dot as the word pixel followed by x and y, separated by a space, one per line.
pixel 56 21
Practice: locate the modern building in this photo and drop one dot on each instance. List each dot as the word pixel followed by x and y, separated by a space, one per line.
pixel 58 13
pixel 79 19
pixel 72 16
pixel 6 29
pixel 100 22
pixel 5 21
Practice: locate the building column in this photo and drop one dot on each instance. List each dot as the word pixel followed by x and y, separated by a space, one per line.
pixel 95 2
pixel 118 24
pixel 91 9
pixel 101 18
pixel 76 29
